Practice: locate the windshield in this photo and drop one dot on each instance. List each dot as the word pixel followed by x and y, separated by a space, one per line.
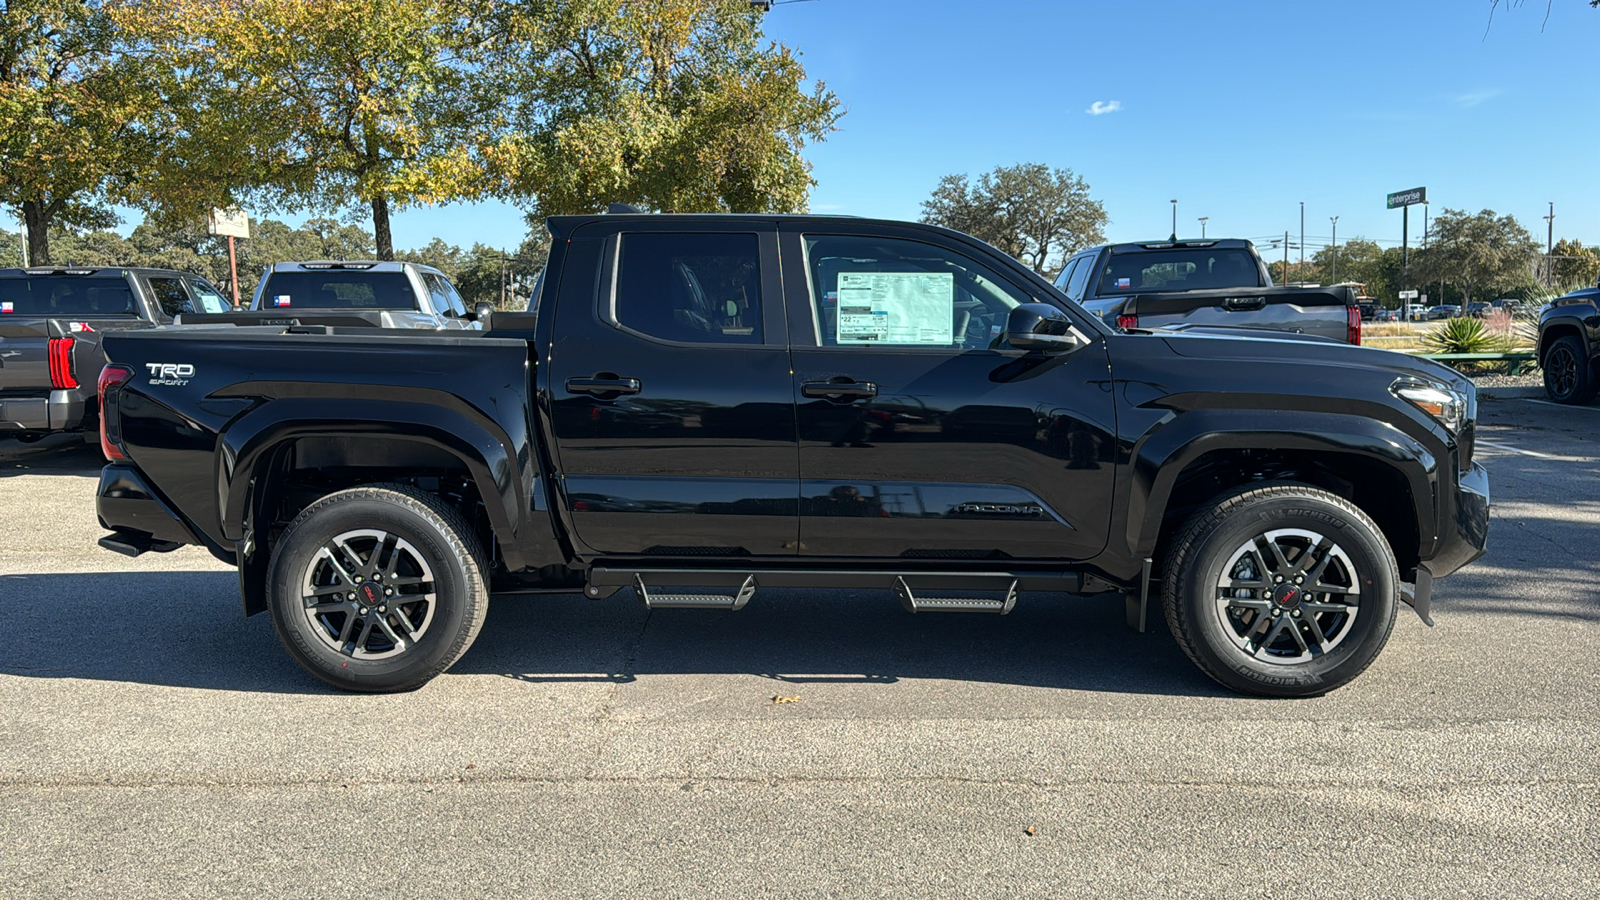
pixel 1199 269
pixel 338 289
pixel 65 295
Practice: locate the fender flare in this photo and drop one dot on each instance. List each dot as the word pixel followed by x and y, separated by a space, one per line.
pixel 491 457
pixel 1563 323
pixel 1159 458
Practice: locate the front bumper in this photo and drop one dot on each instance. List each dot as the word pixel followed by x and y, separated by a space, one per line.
pixel 62 410
pixel 1465 535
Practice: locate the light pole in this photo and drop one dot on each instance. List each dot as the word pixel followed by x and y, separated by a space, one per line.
pixel 1203 227
pixel 1335 221
pixel 1174 221
pixel 1550 245
pixel 1302 271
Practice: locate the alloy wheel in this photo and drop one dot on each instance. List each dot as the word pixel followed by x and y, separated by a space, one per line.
pixel 368 594
pixel 1287 596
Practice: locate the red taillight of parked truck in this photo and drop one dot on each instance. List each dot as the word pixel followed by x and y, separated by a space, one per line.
pixel 1127 322
pixel 61 374
pixel 1352 331
pixel 112 378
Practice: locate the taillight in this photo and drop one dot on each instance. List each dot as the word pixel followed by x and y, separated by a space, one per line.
pixel 111 378
pixel 1127 322
pixel 1352 328
pixel 61 377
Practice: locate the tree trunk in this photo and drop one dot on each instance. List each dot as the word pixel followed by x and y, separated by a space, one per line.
pixel 380 227
pixel 37 221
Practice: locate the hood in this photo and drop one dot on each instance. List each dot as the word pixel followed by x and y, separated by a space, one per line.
pixel 1294 349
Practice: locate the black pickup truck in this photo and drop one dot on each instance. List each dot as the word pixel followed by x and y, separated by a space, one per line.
pixel 51 322
pixel 700 408
pixel 1220 283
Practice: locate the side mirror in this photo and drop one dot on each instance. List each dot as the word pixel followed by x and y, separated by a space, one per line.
pixel 482 310
pixel 1039 326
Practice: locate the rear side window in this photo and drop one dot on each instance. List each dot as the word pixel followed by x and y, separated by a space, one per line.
pixel 66 295
pixel 696 288
pixel 170 296
pixel 338 289
pixel 1179 270
pixel 1080 278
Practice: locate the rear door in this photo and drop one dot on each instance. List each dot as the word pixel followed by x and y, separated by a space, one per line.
pixel 922 434
pixel 669 391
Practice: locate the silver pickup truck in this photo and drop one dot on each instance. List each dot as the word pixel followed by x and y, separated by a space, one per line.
pixel 401 294
pixel 1202 284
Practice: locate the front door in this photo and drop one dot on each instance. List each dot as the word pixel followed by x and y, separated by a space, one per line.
pixel 670 393
pixel 922 435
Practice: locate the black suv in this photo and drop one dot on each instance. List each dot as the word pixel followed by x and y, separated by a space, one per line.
pixel 1569 346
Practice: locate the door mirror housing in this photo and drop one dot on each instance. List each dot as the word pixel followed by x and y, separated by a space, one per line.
pixel 1040 326
pixel 482 310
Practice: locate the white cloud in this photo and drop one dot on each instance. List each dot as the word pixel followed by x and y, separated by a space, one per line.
pixel 1101 107
pixel 1473 98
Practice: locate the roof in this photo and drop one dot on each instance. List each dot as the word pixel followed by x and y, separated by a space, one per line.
pixel 92 271
pixel 364 265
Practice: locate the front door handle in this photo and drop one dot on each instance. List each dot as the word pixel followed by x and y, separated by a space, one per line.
pixel 612 385
pixel 837 390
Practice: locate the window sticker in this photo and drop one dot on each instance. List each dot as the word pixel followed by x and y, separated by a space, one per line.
pixel 896 308
pixel 5 306
pixel 1124 283
pixel 280 300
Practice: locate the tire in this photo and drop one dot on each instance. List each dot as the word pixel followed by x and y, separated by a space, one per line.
pixel 391 535
pixel 1277 638
pixel 1568 376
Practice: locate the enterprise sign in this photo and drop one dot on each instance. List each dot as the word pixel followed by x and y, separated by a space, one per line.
pixel 1408 198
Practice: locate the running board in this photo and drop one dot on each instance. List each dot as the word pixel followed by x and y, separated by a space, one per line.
pixel 916 604
pixel 696 601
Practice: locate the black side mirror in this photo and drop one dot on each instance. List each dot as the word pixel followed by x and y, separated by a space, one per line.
pixel 482 310
pixel 1040 326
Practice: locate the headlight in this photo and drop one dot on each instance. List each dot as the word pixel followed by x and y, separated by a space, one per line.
pixel 1447 407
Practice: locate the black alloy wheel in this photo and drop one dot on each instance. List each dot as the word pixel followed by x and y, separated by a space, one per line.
pixel 1281 590
pixel 377 588
pixel 1567 374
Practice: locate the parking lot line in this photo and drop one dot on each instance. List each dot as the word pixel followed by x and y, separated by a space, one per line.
pixel 1515 450
pixel 1560 405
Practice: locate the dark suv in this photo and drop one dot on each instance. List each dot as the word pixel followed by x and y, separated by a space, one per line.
pixel 1569 346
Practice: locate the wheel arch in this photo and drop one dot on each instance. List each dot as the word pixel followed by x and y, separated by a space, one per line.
pixel 1556 329
pixel 1387 473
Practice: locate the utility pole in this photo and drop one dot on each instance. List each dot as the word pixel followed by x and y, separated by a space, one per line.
pixel 24 233
pixel 1286 257
pixel 1550 245
pixel 1335 221
pixel 1203 227
pixel 1302 241
pixel 1174 221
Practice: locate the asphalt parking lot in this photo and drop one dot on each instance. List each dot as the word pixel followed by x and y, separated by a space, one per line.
pixel 153 742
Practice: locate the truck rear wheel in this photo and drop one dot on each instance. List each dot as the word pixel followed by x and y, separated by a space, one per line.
pixel 1281 591
pixel 377 588
pixel 1567 375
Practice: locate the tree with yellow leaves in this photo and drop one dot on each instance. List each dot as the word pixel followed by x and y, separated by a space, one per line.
pixel 320 105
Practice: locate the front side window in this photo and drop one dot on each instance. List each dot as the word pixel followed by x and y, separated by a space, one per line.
pixel 441 298
pixel 457 305
pixel 1178 270
pixel 695 288
pixel 210 300
pixel 1080 279
pixel 886 292
pixel 170 296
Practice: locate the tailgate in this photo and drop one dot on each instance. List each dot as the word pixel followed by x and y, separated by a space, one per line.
pixel 1318 311
pixel 25 355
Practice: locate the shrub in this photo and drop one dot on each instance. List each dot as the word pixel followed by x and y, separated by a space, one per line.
pixel 1466 335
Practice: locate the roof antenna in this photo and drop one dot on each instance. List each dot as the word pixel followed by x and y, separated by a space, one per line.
pixel 617 209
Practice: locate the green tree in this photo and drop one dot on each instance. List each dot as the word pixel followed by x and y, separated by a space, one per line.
pixel 70 107
pixel 317 106
pixel 1574 264
pixel 1030 211
pixel 1475 252
pixel 672 105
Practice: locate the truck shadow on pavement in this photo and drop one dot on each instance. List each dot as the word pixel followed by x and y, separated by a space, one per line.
pixel 184 629
pixel 59 454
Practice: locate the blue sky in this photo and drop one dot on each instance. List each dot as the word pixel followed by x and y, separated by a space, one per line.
pixel 1239 110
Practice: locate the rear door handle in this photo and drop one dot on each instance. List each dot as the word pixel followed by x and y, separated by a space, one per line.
pixel 604 385
pixel 1244 304
pixel 834 390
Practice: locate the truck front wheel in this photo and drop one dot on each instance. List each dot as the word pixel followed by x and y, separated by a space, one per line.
pixel 377 588
pixel 1281 590
pixel 1567 376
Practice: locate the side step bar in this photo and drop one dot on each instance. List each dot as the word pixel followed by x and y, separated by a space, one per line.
pixel 696 601
pixel 916 604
